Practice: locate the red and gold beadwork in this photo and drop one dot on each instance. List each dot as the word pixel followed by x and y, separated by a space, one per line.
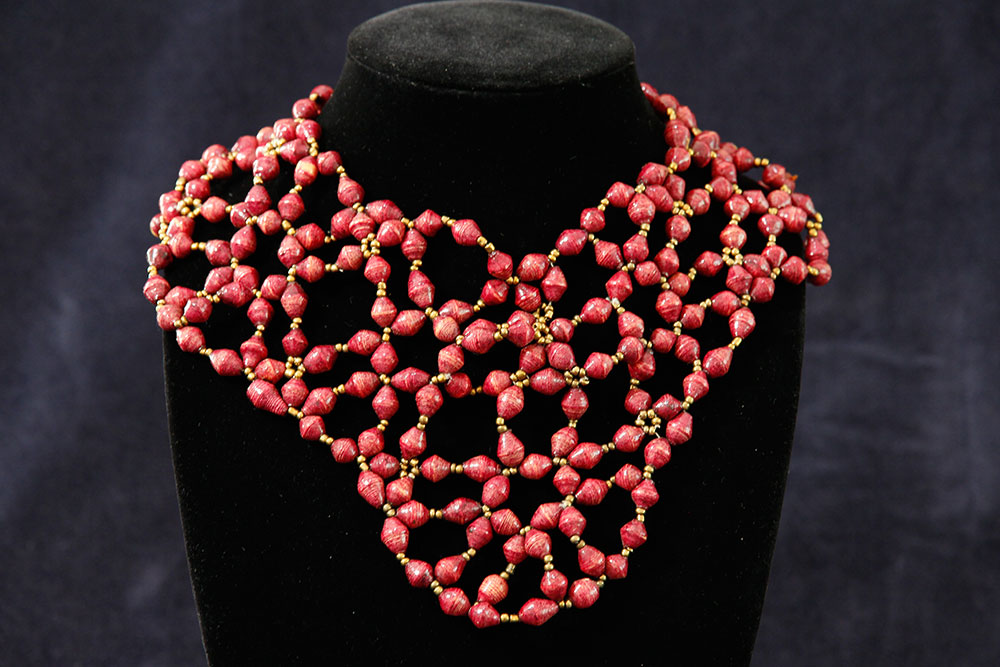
pixel 365 233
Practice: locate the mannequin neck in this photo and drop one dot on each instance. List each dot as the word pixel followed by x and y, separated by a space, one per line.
pixel 554 120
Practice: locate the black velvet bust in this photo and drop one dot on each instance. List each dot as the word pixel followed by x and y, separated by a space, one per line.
pixel 517 116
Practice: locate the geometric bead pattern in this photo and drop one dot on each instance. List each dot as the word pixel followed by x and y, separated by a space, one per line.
pixel 376 238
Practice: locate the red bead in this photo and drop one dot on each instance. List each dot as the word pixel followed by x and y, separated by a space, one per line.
pixel 645 494
pixel 584 593
pixel 598 365
pixel 738 279
pixel 533 267
pixel 554 585
pixel 628 438
pixel 493 589
pixel 564 441
pixel 520 328
pixel 190 339
pixel 652 174
pixel 484 615
pixel 679 429
pixel 633 534
pixel 505 522
pixel 596 311
pixel 574 403
pixel 628 476
pixel 708 263
pixel 513 549
pixel 608 254
pixel 461 510
pixel 510 450
pixel 647 274
pixel 320 359
pixel 548 381
pixel 465 232
pixel 641 209
pixel 695 385
pixel 320 401
pixel 478 338
pixel 265 396
pixel 699 201
pixel 667 261
pixel 820 272
pixel 586 455
pixel 361 384
pixel 496 382
pixel 496 490
pixel 537 544
pixel 295 343
pixel 500 265
pixel 677 134
pixel 395 535
pixel 414 245
pixel 510 402
pixel 428 223
pixel 449 570
pixel 419 573
pixel 554 284
pixel 226 362
pixel 669 306
pixel 591 492
pixel 413 513
pixel 591 561
pixel 619 286
pixel 408 322
pixel 349 191
pixel 619 194
pixel 370 442
pixel 717 361
pixel 537 611
pixel 371 487
pixel 459 385
pixel 270 370
pixel 572 241
pixel 566 480
pixel 527 297
pixel 692 316
pixel 343 450
pixel 637 400
pixel 762 290
pixel 663 340
pixel 434 468
pixel 616 566
pixel 384 465
pixel 412 443
pixel 479 533
pixel 657 452
pixel 399 491
pixel 451 358
pixel 454 602
pixel 410 379
pixel 572 522
pixel 535 466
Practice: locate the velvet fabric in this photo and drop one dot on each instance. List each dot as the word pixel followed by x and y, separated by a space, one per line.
pixel 285 557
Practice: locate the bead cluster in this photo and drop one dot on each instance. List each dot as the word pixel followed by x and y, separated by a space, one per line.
pixel 367 233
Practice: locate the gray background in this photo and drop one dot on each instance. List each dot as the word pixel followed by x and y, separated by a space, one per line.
pixel 889 549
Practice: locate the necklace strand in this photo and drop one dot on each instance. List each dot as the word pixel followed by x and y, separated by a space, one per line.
pixel 547 363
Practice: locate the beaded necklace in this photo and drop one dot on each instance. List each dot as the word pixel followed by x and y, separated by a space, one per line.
pixel 364 234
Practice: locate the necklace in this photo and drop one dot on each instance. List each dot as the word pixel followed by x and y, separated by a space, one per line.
pixel 366 236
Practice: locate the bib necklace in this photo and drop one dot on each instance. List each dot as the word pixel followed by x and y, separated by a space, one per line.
pixel 291 378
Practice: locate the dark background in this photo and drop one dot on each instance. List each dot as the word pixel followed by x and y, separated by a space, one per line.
pixel 889 548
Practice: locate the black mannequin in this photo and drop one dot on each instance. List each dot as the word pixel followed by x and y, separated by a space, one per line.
pixel 517 116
